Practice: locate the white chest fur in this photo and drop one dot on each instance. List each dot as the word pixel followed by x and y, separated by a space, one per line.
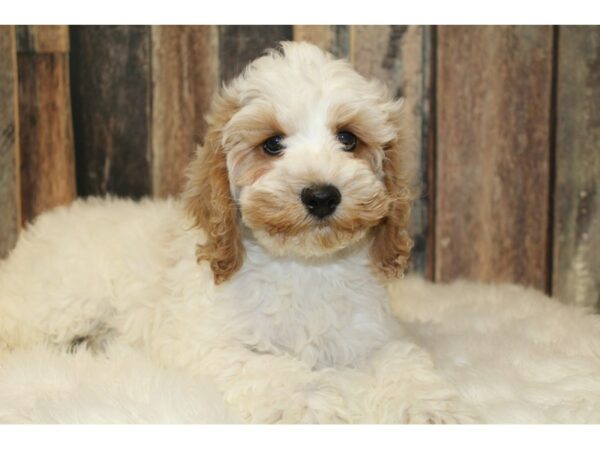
pixel 330 312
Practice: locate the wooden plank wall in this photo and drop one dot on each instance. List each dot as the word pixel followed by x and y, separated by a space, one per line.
pixel 238 45
pixel 493 153
pixel 111 85
pixel 46 131
pixel 333 38
pixel 576 270
pixel 503 120
pixel 10 195
pixel 185 74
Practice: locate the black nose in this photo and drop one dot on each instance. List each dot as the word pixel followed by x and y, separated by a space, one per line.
pixel 321 200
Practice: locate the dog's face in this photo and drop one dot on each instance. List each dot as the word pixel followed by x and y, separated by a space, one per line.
pixel 305 153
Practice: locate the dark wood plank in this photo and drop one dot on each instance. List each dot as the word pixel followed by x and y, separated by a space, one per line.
pixel 333 38
pixel 111 85
pixel 240 44
pixel 400 56
pixel 10 218
pixel 42 38
pixel 185 74
pixel 493 152
pixel 46 133
pixel 576 259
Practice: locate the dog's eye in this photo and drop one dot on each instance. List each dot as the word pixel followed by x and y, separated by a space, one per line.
pixel 348 140
pixel 273 145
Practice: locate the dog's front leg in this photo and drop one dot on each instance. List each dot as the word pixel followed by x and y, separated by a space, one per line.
pixel 404 387
pixel 268 388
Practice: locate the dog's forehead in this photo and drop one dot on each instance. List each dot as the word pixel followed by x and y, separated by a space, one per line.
pixel 302 64
pixel 302 74
pixel 303 90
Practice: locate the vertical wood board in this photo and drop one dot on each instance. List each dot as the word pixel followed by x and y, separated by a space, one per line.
pixel 112 109
pixel 238 45
pixel 45 127
pixel 43 38
pixel 333 38
pixel 576 267
pixel 493 153
pixel 184 78
pixel 10 208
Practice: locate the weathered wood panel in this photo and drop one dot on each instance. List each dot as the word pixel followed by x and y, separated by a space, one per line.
pixel 493 141
pixel 238 45
pixel 400 56
pixel 485 211
pixel 45 131
pixel 333 38
pixel 576 261
pixel 43 39
pixel 10 216
pixel 185 74
pixel 111 85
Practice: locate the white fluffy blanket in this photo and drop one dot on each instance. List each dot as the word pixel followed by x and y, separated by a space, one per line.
pixel 514 354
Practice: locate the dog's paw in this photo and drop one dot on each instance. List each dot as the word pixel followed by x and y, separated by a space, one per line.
pixel 400 407
pixel 324 400
pixel 319 403
pixel 315 402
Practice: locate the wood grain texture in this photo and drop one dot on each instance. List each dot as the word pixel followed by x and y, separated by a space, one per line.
pixel 576 256
pixel 45 133
pixel 333 38
pixel 400 56
pixel 10 207
pixel 43 38
pixel 185 74
pixel 111 85
pixel 240 44
pixel 493 152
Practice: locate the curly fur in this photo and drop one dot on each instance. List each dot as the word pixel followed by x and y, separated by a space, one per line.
pixel 392 244
pixel 289 319
pixel 256 106
pixel 209 201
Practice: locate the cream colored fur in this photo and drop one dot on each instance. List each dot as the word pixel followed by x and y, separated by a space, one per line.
pixel 291 320
pixel 43 385
pixel 126 272
pixel 510 354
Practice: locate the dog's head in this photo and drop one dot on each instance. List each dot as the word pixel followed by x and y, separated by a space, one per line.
pixel 306 154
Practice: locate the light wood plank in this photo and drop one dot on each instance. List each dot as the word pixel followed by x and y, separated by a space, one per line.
pixel 185 75
pixel 493 153
pixel 43 38
pixel 332 38
pixel 46 133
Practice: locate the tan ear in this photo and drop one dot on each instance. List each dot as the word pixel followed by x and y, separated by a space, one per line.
pixel 208 198
pixel 391 245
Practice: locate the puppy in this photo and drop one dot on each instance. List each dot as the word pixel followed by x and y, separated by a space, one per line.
pixel 269 275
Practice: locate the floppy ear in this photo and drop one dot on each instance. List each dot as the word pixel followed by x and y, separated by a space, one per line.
pixel 391 245
pixel 208 198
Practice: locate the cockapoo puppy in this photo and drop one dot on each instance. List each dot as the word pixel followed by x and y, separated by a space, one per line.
pixel 269 276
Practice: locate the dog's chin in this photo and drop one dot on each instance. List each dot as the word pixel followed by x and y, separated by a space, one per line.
pixel 322 241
